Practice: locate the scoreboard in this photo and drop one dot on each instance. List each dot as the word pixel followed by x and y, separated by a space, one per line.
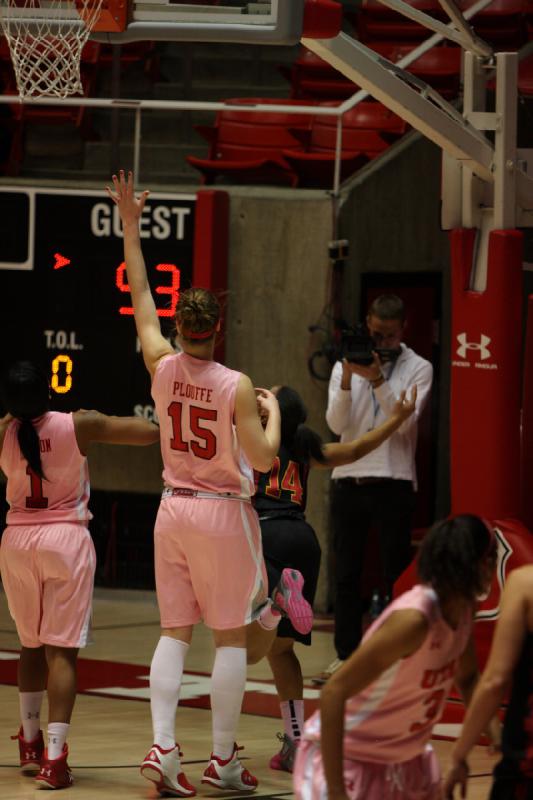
pixel 64 296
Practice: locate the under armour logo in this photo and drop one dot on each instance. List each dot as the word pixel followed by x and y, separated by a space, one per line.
pixel 46 772
pixel 481 346
pixel 31 754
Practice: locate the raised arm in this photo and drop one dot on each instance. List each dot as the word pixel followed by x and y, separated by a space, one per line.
pixel 153 343
pixel 92 426
pixel 339 453
pixel 399 636
pixel 339 398
pixel 260 445
pixel 511 630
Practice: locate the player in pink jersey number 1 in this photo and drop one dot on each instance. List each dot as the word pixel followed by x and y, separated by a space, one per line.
pixel 208 557
pixel 370 738
pixel 47 556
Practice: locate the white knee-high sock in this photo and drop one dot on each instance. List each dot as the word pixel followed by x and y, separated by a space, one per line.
pixel 227 689
pixel 166 671
pixel 30 713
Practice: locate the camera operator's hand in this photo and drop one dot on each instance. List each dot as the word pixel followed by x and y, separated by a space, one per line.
pixel 370 372
pixel 404 406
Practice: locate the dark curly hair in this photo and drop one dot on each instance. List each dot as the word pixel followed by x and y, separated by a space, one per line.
pixel 26 395
pixel 197 312
pixel 453 553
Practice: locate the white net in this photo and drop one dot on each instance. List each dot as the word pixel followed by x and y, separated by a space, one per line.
pixel 46 40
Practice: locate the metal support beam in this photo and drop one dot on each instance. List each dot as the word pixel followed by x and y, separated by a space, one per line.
pixel 410 98
pixel 463 36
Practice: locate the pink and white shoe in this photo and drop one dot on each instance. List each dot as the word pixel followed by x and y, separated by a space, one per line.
pixel 30 753
pixel 284 760
pixel 163 768
pixel 229 774
pixel 288 599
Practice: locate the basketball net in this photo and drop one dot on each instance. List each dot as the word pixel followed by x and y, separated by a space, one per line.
pixel 45 42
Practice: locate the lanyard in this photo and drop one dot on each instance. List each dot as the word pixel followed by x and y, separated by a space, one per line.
pixel 375 403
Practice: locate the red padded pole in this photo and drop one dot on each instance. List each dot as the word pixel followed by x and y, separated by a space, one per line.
pixel 211 247
pixel 527 423
pixel 486 378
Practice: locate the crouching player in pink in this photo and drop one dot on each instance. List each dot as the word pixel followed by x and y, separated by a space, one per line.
pixel 370 738
pixel 47 556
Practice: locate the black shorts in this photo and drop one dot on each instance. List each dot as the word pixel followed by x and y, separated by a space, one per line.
pixel 509 783
pixel 291 542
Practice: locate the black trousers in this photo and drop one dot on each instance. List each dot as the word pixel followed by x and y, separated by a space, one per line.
pixel 509 783
pixel 356 509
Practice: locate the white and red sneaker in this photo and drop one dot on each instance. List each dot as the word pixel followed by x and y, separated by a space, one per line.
pixel 288 598
pixel 229 774
pixel 163 768
pixel 30 753
pixel 54 773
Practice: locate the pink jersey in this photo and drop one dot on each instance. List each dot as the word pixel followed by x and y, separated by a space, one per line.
pixel 195 402
pixel 391 720
pixel 63 494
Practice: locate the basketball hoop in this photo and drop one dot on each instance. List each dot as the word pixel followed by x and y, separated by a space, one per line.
pixel 46 38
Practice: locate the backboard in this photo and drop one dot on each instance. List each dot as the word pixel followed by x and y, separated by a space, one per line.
pixel 238 21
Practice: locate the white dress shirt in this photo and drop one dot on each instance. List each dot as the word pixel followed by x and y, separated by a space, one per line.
pixel 352 412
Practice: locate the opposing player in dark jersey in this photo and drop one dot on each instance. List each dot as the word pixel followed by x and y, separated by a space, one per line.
pixel 290 542
pixel 510 664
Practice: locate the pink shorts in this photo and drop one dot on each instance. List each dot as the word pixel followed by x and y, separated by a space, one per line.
pixel 208 562
pixel 48 575
pixel 416 779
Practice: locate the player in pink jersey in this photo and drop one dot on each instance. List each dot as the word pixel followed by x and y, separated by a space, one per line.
pixel 370 738
pixel 47 557
pixel 208 556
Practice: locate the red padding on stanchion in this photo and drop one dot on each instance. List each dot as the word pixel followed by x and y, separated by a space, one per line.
pixel 211 246
pixel 322 19
pixel 527 423
pixel 485 378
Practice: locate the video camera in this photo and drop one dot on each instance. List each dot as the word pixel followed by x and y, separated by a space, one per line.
pixel 358 347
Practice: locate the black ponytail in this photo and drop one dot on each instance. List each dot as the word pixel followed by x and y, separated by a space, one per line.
pixel 26 397
pixel 303 443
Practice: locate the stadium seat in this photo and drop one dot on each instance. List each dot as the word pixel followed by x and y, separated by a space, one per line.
pixel 247 147
pixel 502 23
pixel 440 67
pixel 315 79
pixel 316 165
pixel 376 21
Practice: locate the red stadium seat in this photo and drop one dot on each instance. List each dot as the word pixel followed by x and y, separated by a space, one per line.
pixel 247 147
pixel 440 67
pixel 376 21
pixel 502 23
pixel 315 79
pixel 315 167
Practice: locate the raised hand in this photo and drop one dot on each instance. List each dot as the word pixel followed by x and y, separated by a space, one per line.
pixel 130 207
pixel 404 406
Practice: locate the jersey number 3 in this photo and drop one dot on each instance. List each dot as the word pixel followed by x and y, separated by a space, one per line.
pixel 205 445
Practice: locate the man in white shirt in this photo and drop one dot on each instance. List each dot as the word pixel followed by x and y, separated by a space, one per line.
pixel 377 490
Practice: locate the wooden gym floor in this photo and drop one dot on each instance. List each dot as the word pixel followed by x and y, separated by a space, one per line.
pixel 111 730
